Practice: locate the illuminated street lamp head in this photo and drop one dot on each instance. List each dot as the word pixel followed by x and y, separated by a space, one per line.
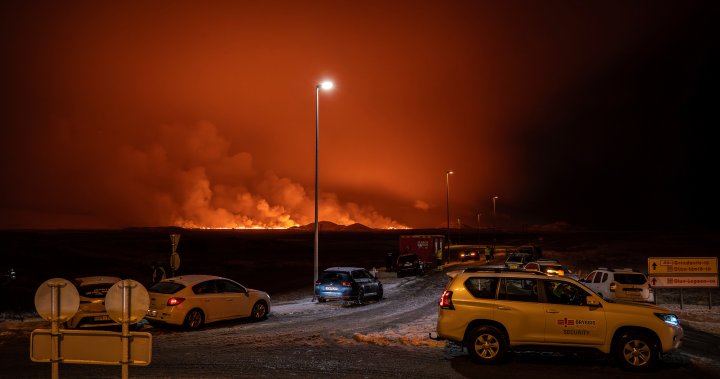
pixel 450 172
pixel 495 197
pixel 326 85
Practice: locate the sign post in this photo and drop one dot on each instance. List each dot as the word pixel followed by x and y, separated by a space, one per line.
pixel 64 301
pixel 126 302
pixel 174 256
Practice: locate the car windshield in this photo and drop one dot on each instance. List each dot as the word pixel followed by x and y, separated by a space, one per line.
pixel 94 291
pixel 335 276
pixel 630 278
pixel 515 258
pixel 166 287
pixel 407 258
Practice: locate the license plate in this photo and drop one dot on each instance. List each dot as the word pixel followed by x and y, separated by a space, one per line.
pixel 331 288
pixel 101 318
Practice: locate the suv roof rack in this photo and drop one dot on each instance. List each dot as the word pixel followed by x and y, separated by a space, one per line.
pixel 626 269
pixel 503 269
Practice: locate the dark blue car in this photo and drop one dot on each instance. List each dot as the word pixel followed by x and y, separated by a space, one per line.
pixel 348 284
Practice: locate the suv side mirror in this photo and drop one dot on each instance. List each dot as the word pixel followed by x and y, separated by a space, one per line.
pixel 592 301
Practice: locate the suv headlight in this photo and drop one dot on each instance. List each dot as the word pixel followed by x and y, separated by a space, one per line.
pixel 669 318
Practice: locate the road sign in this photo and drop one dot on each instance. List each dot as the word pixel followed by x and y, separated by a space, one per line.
pixel 138 301
pixel 683 265
pixel 91 347
pixel 65 301
pixel 687 281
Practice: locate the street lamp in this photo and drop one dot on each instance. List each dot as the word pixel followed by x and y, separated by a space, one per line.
pixel 494 219
pixel 447 198
pixel 324 85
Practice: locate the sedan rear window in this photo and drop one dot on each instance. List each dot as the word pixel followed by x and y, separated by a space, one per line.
pixel 335 276
pixel 630 278
pixel 166 287
pixel 94 291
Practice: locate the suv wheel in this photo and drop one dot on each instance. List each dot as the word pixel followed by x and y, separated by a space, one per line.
pixel 637 351
pixel 486 345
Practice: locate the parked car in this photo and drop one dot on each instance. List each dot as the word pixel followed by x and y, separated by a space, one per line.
pixel 469 255
pixel 92 312
pixel 194 300
pixel 518 260
pixel 347 284
pixel 620 284
pixel 409 264
pixel 493 311
pixel 550 266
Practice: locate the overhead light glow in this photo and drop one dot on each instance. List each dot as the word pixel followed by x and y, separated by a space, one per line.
pixel 326 85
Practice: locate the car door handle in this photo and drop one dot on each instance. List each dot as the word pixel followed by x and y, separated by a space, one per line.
pixel 552 311
pixel 504 308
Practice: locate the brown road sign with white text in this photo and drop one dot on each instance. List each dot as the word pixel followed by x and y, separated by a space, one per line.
pixel 682 265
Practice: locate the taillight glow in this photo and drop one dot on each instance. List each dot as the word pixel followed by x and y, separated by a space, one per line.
pixel 175 301
pixel 346 284
pixel 613 286
pixel 446 300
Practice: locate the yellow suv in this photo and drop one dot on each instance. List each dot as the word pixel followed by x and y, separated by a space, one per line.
pixel 493 310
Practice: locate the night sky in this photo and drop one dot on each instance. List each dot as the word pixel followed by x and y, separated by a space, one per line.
pixel 597 115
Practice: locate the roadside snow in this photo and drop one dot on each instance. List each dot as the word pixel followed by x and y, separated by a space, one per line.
pixel 699 317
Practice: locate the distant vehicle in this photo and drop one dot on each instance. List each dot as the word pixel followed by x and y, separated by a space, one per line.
pixel 194 300
pixel 347 284
pixel 409 264
pixel 469 255
pixel 428 248
pixel 92 312
pixel 518 260
pixel 620 284
pixel 7 276
pixel 533 250
pixel 492 312
pixel 550 266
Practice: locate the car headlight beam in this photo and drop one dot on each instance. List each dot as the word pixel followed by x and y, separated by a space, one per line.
pixel 669 318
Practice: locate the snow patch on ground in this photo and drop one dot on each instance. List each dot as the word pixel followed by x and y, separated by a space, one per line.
pixel 411 334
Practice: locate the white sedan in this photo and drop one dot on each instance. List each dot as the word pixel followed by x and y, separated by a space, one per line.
pixel 193 300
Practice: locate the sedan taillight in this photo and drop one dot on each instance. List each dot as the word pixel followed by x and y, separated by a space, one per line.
pixel 446 300
pixel 613 286
pixel 175 301
pixel 346 284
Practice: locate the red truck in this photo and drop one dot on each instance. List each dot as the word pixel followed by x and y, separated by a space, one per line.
pixel 427 247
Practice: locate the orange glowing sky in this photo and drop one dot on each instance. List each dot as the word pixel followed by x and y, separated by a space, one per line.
pixel 201 114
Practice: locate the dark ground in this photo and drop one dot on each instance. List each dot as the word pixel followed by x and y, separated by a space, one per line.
pixel 278 261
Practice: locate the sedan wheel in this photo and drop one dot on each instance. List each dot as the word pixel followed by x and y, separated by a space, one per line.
pixel 361 296
pixel 194 319
pixel 259 311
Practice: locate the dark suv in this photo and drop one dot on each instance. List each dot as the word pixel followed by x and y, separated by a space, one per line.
pixel 348 284
pixel 409 264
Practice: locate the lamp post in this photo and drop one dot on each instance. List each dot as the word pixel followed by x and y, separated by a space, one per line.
pixel 494 219
pixel 447 198
pixel 324 85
